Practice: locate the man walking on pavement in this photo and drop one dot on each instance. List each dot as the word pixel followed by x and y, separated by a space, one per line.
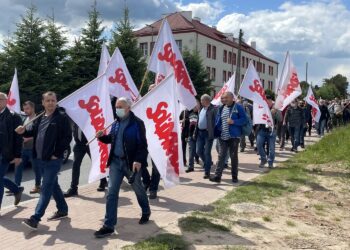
pixel 295 119
pixel 27 151
pixel 205 133
pixel 10 148
pixel 52 135
pixel 228 127
pixel 128 157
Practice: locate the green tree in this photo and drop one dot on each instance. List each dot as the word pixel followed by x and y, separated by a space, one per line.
pixel 56 54
pixel 197 72
pixel 340 82
pixel 328 92
pixel 124 38
pixel 27 52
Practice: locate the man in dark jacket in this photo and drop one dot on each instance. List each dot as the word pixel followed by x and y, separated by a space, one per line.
pixel 228 127
pixel 51 134
pixel 295 119
pixel 127 158
pixel 10 148
pixel 323 118
pixel 205 133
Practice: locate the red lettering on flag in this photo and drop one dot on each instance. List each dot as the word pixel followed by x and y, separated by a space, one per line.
pixel 258 89
pixel 10 101
pixel 292 85
pixel 164 130
pixel 181 75
pixel 221 92
pixel 98 122
pixel 120 78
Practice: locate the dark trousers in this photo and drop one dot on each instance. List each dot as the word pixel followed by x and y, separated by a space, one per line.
pixel 251 138
pixel 184 147
pixel 4 181
pixel 155 179
pixel 79 152
pixel 230 146
pixel 295 136
pixel 284 135
pixel 309 123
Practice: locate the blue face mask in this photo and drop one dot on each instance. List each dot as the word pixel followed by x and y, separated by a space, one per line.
pixel 120 112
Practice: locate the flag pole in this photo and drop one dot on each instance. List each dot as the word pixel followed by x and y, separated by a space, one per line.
pixel 89 142
pixel 143 82
pixel 35 118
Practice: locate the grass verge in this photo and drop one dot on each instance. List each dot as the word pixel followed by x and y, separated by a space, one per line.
pixel 161 242
pixel 196 225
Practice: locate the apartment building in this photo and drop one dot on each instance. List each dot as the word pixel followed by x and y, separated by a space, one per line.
pixel 218 50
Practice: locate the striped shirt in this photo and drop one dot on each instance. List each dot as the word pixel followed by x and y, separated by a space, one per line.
pixel 225 114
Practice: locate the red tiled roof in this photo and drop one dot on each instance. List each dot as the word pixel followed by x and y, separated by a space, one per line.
pixel 180 24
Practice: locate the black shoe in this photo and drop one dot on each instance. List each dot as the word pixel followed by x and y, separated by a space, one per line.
pixel 144 219
pixel 152 195
pixel 197 160
pixel 226 165
pixel 71 192
pixel 32 224
pixel 104 232
pixel 189 170
pixel 57 216
pixel 242 150
pixel 101 189
pixel 262 164
pixel 18 196
pixel 206 176
pixel 216 179
pixel 235 180
pixel 302 146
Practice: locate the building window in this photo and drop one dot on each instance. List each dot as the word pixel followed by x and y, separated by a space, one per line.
pixel 224 76
pixel 213 74
pixel 243 61
pixel 247 62
pixel 208 71
pixel 234 59
pixel 151 47
pixel 214 52
pixel 225 56
pixel 144 48
pixel 229 74
pixel 263 83
pixel 254 63
pixel 271 70
pixel 242 77
pixel 179 44
pixel 208 50
pixel 258 68
pixel 263 69
pixel 229 57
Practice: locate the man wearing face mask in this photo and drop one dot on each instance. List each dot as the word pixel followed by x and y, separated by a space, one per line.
pixel 295 119
pixel 127 159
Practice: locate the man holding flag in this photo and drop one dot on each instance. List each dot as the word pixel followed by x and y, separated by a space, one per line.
pixel 127 158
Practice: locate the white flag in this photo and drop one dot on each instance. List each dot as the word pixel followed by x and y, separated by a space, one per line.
pixel 90 108
pixel 166 59
pixel 288 86
pixel 253 90
pixel 260 114
pixel 159 111
pixel 228 86
pixel 315 111
pixel 119 79
pixel 104 60
pixel 13 101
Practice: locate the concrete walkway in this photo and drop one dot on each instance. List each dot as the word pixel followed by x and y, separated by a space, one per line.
pixel 87 211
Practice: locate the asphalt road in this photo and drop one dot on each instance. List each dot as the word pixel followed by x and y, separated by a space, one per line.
pixel 64 179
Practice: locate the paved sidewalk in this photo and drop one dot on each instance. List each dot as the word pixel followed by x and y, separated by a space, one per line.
pixel 87 211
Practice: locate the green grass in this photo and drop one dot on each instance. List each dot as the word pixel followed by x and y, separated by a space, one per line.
pixel 332 148
pixel 267 218
pixel 161 242
pixel 290 223
pixel 196 225
pixel 319 207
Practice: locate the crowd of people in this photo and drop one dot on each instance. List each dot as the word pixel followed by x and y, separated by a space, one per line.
pixel 42 140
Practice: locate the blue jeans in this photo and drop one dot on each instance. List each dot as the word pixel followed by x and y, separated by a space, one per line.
pixel 321 127
pixel 27 156
pixel 270 137
pixel 204 145
pixel 117 171
pixel 192 152
pixel 4 181
pixel 295 136
pixel 49 171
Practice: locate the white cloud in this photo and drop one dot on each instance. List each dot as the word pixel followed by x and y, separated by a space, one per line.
pixel 314 31
pixel 208 11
